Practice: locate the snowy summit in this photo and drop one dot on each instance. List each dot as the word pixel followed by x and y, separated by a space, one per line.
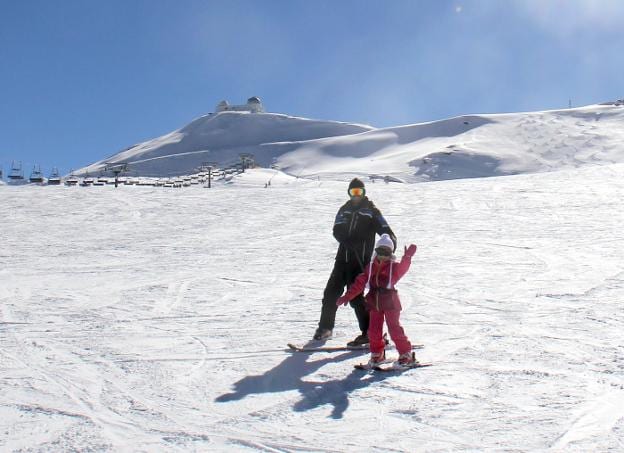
pixel 461 147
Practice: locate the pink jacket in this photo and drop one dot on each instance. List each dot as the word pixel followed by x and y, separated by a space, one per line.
pixel 380 278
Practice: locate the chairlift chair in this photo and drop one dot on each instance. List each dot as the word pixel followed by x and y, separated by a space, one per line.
pixel 36 176
pixel 71 180
pixel 16 174
pixel 55 178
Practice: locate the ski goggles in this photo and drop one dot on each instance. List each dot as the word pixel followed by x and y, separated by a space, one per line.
pixel 357 192
pixel 383 251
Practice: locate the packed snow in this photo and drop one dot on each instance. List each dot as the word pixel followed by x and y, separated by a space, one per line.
pixel 144 319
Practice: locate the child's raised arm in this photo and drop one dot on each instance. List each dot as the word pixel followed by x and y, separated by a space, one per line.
pixel 403 266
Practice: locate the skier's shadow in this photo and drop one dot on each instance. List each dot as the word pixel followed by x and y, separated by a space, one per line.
pixel 289 375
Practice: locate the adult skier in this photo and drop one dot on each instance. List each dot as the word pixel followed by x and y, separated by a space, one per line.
pixel 356 224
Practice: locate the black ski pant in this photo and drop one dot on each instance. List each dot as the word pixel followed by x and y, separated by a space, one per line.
pixel 343 274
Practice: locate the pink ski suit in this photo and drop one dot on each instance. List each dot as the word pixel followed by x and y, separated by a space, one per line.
pixel 382 300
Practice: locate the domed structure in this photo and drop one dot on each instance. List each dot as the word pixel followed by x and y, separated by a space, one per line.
pixel 254 105
pixel 222 106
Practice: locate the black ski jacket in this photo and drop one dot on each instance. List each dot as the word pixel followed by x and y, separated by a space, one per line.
pixel 355 228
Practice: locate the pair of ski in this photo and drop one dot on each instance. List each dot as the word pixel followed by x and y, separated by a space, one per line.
pixel 387 368
pixel 360 366
pixel 363 347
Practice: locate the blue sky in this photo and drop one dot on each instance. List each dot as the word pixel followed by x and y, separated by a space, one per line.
pixel 82 79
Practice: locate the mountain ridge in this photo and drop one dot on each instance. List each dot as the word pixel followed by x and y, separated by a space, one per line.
pixel 452 148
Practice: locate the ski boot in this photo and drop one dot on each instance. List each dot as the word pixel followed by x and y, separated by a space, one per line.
pixel 360 340
pixel 406 360
pixel 322 334
pixel 377 359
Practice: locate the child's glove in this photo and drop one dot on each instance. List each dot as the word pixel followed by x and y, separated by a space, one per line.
pixel 342 300
pixel 410 251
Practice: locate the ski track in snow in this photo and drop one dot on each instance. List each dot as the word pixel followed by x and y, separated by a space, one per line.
pixel 147 319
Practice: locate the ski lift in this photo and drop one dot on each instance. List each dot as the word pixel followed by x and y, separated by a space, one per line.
pixel 72 180
pixel 248 160
pixel 117 168
pixel 36 176
pixel 55 178
pixel 16 175
pixel 87 180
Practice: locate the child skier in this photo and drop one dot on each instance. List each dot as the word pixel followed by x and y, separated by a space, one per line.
pixel 382 301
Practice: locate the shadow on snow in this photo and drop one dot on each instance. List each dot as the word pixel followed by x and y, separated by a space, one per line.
pixel 289 375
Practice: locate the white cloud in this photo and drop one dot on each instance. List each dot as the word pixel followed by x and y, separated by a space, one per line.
pixel 565 17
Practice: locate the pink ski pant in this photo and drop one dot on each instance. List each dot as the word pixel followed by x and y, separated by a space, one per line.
pixel 375 331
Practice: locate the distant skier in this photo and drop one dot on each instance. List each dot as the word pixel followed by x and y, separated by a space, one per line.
pixel 382 301
pixel 356 224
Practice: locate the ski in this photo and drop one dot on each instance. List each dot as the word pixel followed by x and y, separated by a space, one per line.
pixel 297 348
pixel 386 369
pixel 364 347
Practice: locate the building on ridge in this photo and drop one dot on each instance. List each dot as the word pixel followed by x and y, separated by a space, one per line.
pixel 253 105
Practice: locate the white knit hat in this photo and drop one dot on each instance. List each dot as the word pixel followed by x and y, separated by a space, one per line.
pixel 385 241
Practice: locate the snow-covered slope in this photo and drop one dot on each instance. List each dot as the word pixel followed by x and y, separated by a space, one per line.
pixel 470 146
pixel 220 138
pixel 466 146
pixel 143 319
